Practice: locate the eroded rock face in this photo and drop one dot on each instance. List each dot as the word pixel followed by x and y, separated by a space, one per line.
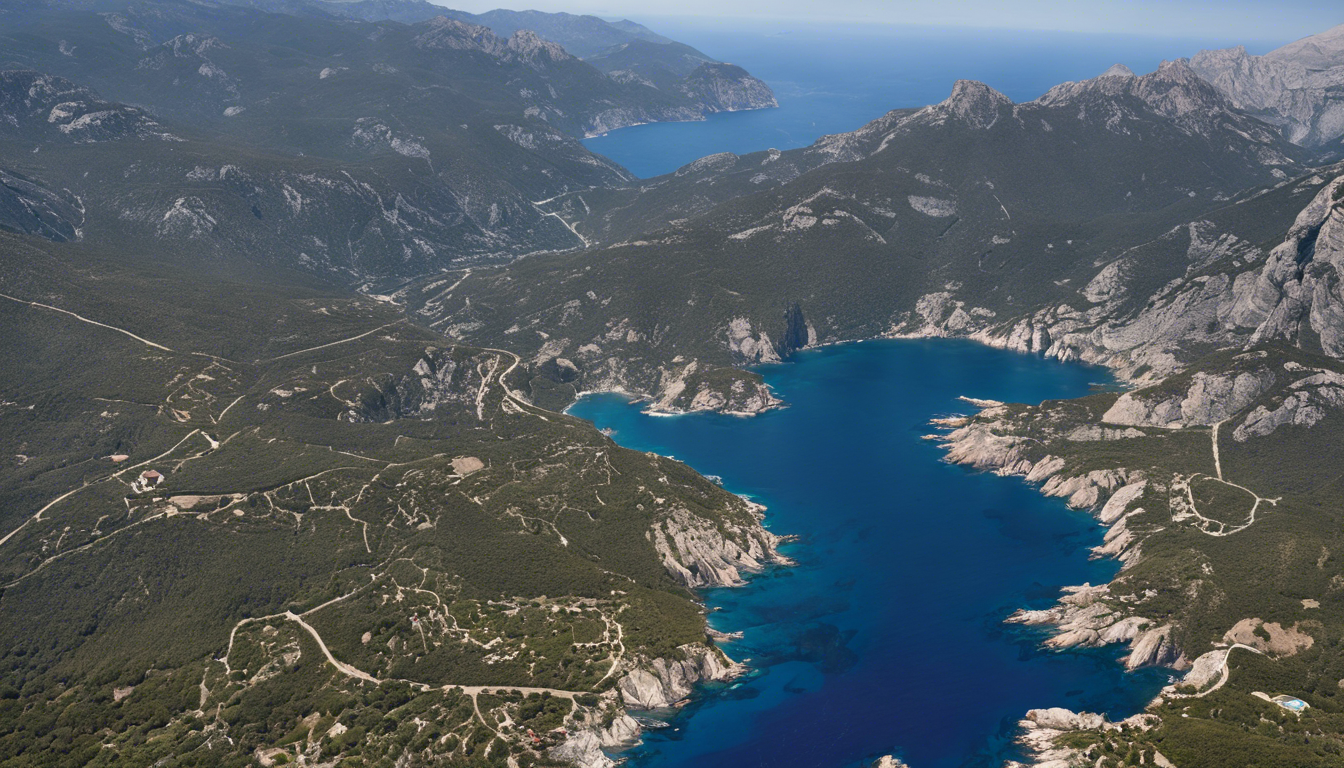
pixel 36 105
pixel 698 553
pixel 1208 400
pixel 1292 87
pixel 660 683
pixel 29 207
pixel 1041 729
pixel 1299 288
pixel 727 88
pixel 1312 398
pixel 436 379
pixel 584 746
pixel 688 388
pixel 1084 616
pixel 749 345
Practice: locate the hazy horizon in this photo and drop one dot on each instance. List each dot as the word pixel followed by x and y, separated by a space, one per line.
pixel 1238 20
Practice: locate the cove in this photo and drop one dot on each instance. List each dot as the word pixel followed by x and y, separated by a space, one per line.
pixel 888 635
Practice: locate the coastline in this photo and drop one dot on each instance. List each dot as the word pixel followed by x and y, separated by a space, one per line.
pixel 654 685
pixel 634 400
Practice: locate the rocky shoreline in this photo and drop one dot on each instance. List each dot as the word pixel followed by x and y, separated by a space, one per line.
pixel 698 554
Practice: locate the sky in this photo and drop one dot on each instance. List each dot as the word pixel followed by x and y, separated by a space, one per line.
pixel 1281 20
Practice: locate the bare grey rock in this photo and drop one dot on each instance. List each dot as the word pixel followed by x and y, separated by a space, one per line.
pixel 699 553
pixel 660 683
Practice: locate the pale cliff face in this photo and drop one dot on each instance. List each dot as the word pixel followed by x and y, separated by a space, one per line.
pixel 1295 87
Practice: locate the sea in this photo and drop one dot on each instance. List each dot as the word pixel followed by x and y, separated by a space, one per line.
pixel 888 635
pixel 832 78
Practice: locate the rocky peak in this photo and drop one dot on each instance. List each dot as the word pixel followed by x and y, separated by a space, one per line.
pixel 1302 95
pixel 45 107
pixel 184 46
pixel 971 102
pixel 1296 295
pixel 528 46
pixel 1175 90
pixel 443 33
pixel 1318 52
pixel 1251 82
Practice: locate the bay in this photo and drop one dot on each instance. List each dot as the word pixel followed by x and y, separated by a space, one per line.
pixel 888 634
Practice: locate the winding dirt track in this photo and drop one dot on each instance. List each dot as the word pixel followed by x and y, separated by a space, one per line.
pixel 87 320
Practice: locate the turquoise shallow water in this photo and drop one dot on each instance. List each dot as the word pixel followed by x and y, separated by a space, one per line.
pixel 830 78
pixel 888 634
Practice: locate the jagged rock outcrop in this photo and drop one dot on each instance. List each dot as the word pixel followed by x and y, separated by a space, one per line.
pixel 798 332
pixel 584 746
pixel 727 88
pixel 748 345
pixel 699 553
pixel 1087 617
pixel 1310 400
pixel 1296 87
pixel 36 106
pixel 445 33
pixel 1208 400
pixel 660 683
pixel 1041 730
pixel 971 102
pixel 436 380
pixel 690 388
pixel 1084 616
pixel 1299 294
pixel 28 207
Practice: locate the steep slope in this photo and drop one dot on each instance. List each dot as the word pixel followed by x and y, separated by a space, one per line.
pixel 679 68
pixel 134 181
pixel 369 152
pixel 958 217
pixel 632 53
pixel 1297 87
pixel 653 68
pixel 583 36
pixel 1317 52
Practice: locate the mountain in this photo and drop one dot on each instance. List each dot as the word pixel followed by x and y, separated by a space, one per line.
pixel 583 36
pixel 233 467
pixel 1316 53
pixel 370 151
pixel 662 64
pixel 631 53
pixel 975 204
pixel 628 52
pixel 1296 86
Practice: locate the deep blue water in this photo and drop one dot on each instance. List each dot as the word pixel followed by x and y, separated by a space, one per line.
pixel 888 635
pixel 834 78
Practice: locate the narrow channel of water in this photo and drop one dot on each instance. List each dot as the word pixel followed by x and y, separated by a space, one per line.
pixel 888 635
